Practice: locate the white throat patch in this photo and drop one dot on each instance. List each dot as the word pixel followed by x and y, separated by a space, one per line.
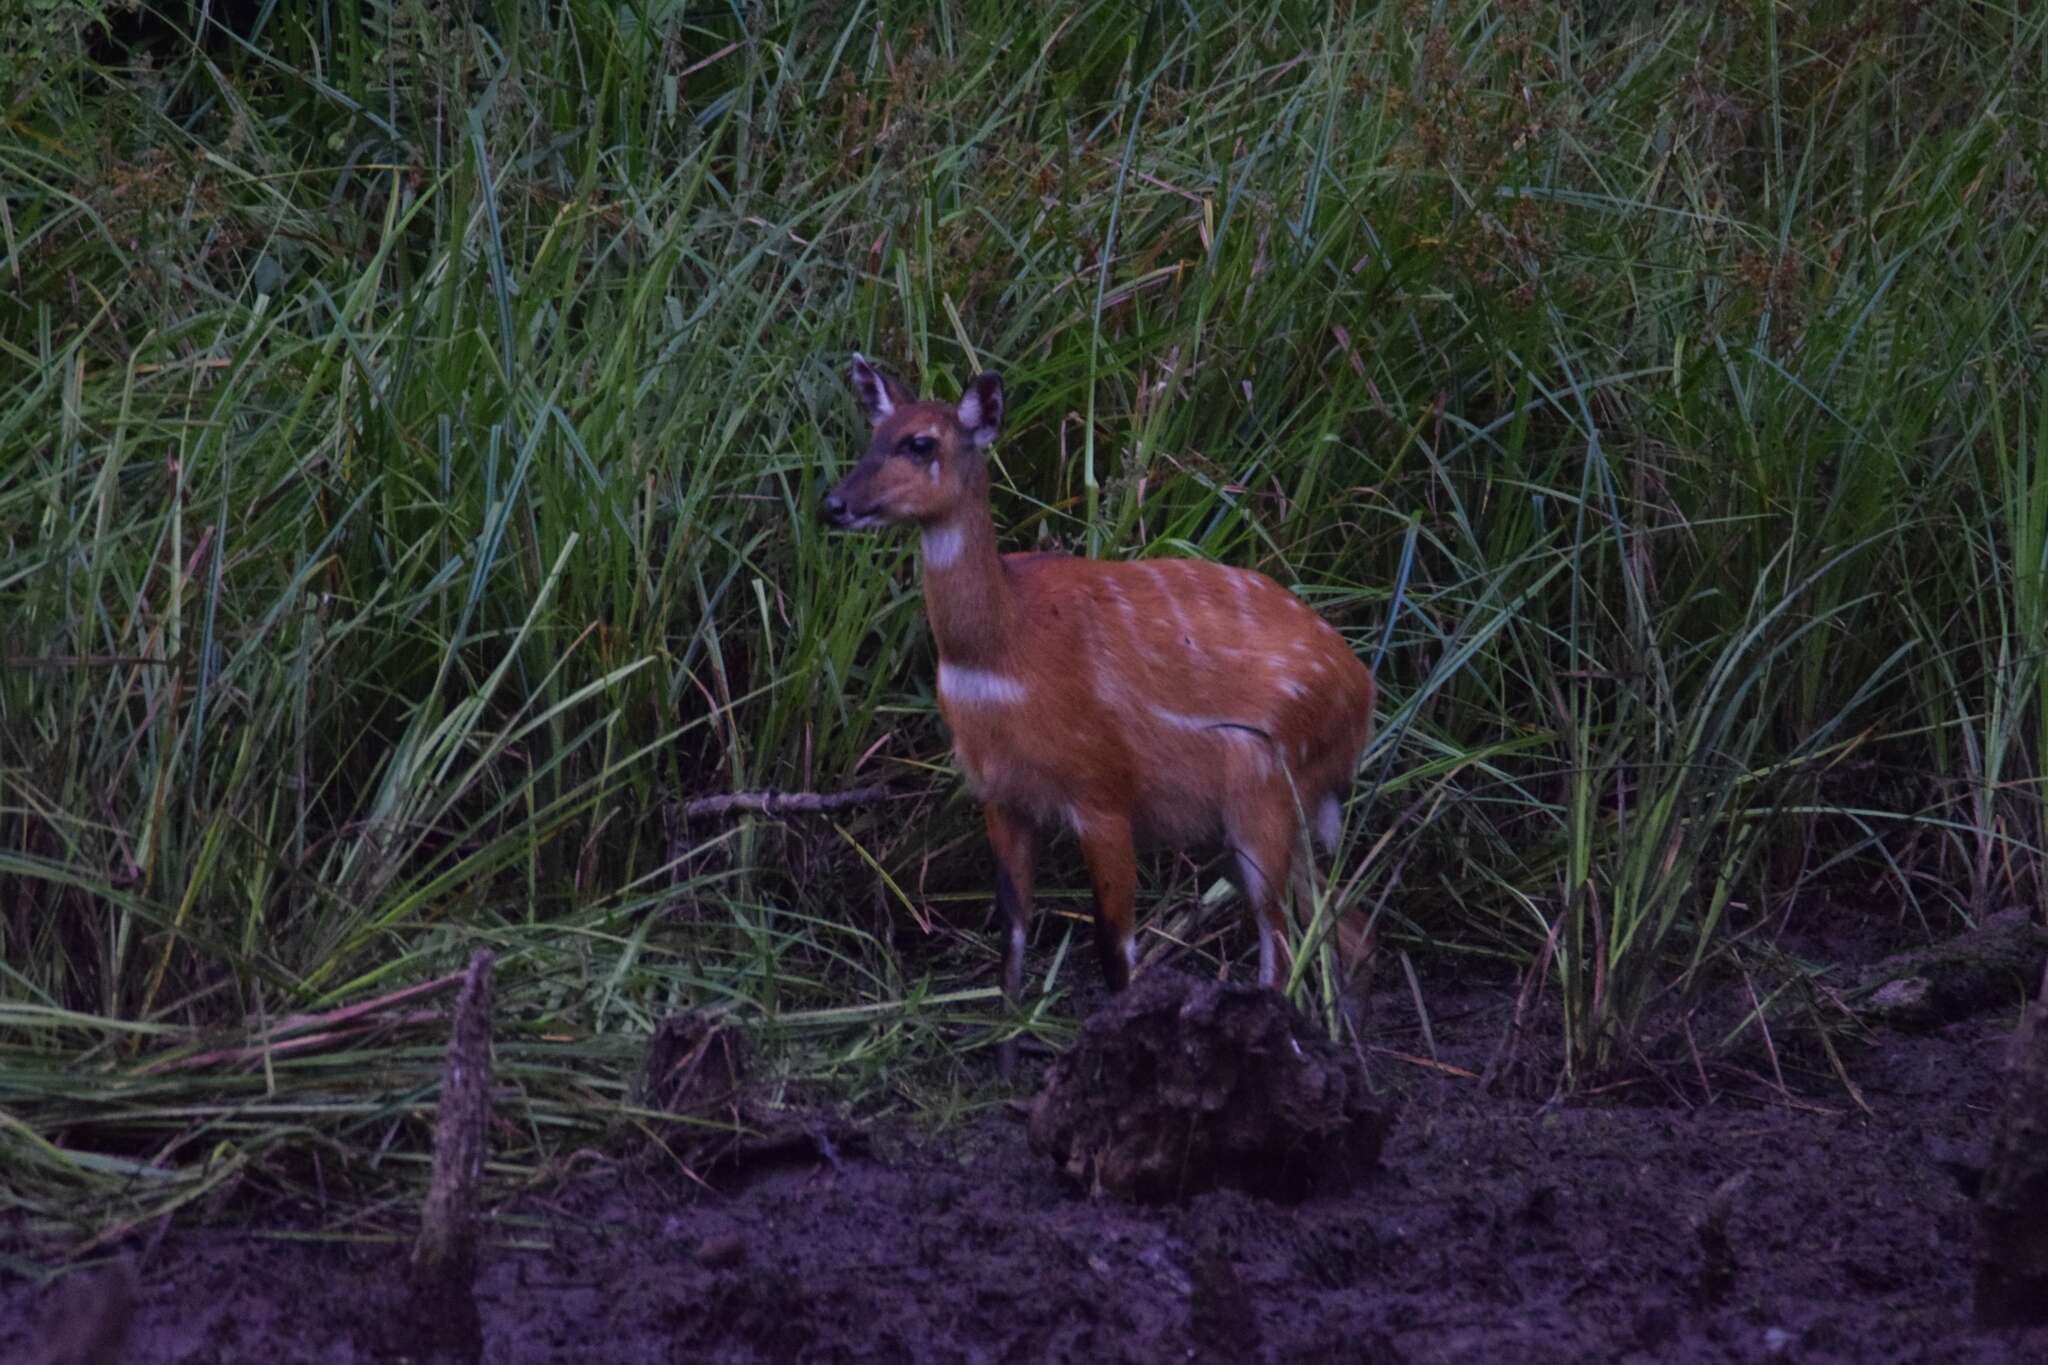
pixel 941 547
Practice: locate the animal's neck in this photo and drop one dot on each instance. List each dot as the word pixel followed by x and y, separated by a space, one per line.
pixel 967 592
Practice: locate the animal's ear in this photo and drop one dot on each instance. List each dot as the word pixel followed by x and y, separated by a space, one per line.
pixel 981 409
pixel 879 394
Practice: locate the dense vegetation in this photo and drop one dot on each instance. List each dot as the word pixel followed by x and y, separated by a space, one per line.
pixel 409 436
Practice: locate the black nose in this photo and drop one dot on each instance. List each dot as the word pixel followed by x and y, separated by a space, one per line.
pixel 834 507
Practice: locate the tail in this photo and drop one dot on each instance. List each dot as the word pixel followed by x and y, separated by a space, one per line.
pixel 1353 932
pixel 1355 940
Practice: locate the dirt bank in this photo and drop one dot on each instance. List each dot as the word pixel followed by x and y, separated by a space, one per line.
pixel 1494 1229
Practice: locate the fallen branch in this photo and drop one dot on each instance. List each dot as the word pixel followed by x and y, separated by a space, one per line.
pixel 789 803
pixel 364 1016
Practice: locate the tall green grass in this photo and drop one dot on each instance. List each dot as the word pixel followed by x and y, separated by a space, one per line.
pixel 409 437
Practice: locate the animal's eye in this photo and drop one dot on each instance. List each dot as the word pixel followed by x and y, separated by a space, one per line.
pixel 918 445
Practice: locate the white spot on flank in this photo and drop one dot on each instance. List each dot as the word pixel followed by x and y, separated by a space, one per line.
pixel 1243 587
pixel 1110 688
pixel 978 686
pixel 1293 689
pixel 941 547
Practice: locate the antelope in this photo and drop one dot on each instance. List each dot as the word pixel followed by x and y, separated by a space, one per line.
pixel 1158 703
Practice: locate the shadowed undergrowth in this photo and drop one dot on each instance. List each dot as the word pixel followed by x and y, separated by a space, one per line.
pixel 410 435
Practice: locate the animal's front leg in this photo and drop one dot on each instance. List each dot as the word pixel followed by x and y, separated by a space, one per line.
pixel 1015 842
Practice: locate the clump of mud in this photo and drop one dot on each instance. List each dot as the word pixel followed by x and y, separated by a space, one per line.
pixel 1179 1086
pixel 698 1072
pixel 90 1321
pixel 1991 967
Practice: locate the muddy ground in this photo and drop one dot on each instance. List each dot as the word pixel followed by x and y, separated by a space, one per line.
pixel 1496 1228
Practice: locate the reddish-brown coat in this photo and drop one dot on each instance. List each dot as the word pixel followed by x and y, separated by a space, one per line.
pixel 1175 691
pixel 1165 702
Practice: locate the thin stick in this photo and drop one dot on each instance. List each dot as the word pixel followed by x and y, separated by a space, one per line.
pixel 789 803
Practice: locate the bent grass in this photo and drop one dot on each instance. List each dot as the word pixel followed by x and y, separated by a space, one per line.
pixel 409 438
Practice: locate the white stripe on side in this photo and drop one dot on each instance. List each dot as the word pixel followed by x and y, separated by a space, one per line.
pixel 979 686
pixel 1180 720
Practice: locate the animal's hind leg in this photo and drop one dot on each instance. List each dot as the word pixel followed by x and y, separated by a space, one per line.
pixel 1262 840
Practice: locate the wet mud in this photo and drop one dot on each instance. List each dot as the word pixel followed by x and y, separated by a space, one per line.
pixel 1638 1223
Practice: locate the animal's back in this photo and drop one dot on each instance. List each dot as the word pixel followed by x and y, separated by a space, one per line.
pixel 1193 685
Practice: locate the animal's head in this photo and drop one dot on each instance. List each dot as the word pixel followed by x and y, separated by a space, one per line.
pixel 925 458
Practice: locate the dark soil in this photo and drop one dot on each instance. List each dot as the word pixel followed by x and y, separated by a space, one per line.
pixel 1632 1225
